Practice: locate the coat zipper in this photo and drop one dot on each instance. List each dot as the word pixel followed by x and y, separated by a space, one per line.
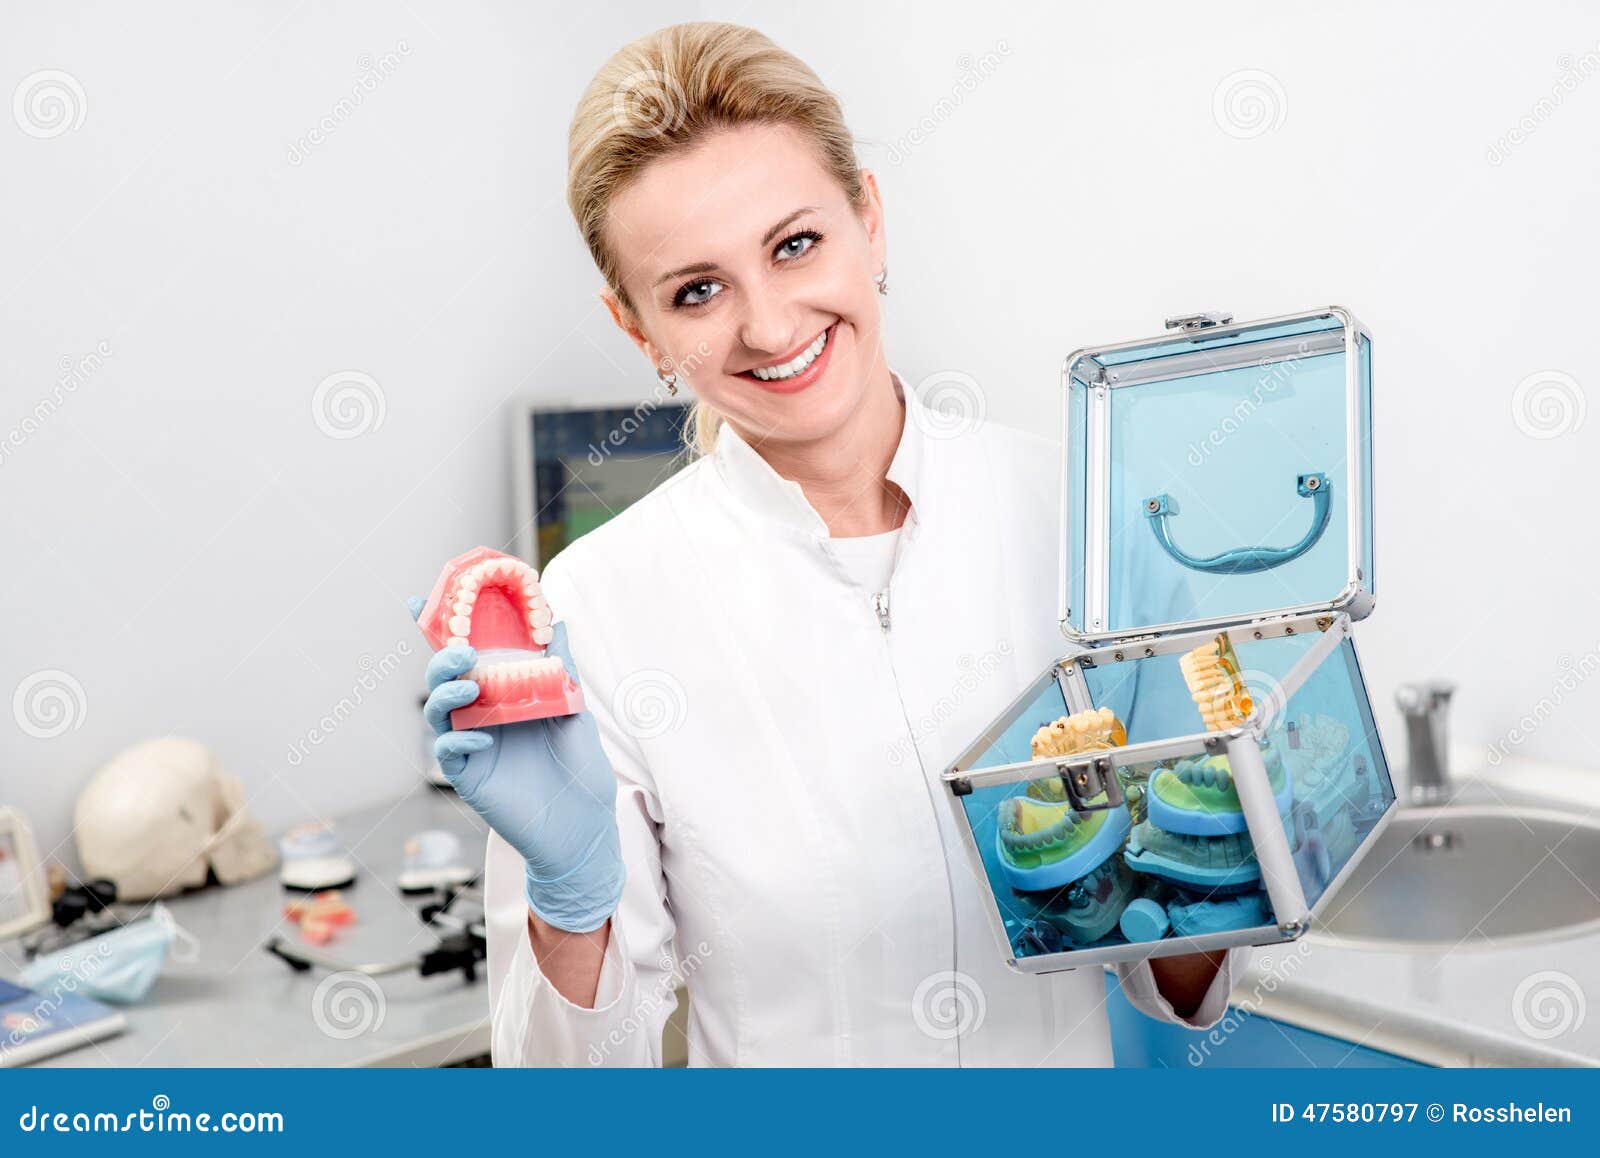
pixel 880 604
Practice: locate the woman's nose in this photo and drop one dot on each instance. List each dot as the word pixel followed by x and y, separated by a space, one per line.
pixel 767 323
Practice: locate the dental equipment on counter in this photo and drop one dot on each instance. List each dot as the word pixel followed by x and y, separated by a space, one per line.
pixel 462 942
pixel 314 859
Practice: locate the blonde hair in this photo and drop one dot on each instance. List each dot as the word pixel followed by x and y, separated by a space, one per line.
pixel 666 92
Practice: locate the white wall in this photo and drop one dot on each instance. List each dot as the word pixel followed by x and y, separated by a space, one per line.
pixel 1085 189
pixel 180 535
pixel 186 542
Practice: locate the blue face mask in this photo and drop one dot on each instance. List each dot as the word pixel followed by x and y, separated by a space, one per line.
pixel 119 966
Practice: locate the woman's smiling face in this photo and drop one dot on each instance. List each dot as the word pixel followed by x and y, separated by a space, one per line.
pixel 752 275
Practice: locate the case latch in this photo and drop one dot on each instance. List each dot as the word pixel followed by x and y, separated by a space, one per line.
pixel 1085 781
pixel 1205 321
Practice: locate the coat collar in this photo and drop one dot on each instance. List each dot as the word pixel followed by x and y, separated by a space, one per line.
pixel 749 477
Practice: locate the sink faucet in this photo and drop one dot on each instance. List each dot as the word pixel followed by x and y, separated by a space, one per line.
pixel 1425 706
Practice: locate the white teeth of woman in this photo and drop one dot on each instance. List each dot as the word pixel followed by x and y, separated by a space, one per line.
pixel 541 676
pixel 794 366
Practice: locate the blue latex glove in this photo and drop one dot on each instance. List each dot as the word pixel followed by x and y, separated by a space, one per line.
pixel 545 786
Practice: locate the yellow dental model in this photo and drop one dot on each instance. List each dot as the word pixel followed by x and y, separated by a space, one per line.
pixel 1086 731
pixel 1213 674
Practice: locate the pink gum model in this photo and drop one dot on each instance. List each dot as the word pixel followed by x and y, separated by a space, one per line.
pixel 493 602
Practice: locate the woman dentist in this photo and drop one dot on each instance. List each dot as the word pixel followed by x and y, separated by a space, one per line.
pixel 781 646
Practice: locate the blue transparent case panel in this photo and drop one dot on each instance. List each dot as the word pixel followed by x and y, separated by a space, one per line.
pixel 1176 859
pixel 1341 780
pixel 1227 491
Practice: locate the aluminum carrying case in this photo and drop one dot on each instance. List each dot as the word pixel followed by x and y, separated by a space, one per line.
pixel 1216 505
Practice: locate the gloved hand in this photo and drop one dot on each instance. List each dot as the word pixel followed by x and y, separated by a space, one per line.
pixel 545 786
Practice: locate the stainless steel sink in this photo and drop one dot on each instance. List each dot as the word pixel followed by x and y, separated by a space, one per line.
pixel 1465 876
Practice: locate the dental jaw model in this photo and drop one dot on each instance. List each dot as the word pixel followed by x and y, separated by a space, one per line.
pixel 1080 732
pixel 493 602
pixel 1195 839
pixel 1213 674
pixel 1045 846
pixel 1197 796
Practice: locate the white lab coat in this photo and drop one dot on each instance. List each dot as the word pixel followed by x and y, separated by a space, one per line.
pixel 790 852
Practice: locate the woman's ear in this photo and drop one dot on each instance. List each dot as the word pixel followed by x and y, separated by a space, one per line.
pixel 872 219
pixel 627 323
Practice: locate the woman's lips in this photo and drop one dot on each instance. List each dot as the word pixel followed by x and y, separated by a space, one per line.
pixel 805 378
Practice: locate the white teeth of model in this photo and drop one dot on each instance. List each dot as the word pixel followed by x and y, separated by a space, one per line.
pixel 469 582
pixel 791 368
pixel 460 625
pixel 454 640
pixel 539 617
pixel 462 607
pixel 543 635
pixel 469 596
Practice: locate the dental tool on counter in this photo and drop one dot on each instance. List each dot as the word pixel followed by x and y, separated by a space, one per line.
pixel 462 942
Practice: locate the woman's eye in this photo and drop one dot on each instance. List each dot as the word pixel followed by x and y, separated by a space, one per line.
pixel 697 293
pixel 793 247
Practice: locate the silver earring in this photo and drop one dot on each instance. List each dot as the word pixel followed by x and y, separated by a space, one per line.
pixel 670 381
pixel 883 280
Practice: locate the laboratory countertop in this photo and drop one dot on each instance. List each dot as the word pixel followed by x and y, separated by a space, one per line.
pixel 237 1005
pixel 1477 1004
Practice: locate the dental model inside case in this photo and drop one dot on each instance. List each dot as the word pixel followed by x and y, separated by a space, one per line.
pixel 1201 768
pixel 493 602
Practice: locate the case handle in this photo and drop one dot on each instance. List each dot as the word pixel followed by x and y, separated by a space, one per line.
pixel 1246 560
